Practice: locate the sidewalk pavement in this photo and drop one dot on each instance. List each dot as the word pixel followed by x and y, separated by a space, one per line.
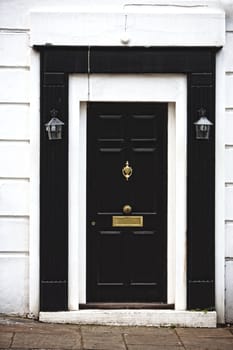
pixel 19 333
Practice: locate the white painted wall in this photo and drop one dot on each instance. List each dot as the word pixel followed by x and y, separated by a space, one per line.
pixel 228 52
pixel 19 142
pixel 14 170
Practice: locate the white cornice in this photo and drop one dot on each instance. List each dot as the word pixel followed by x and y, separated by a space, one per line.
pixel 149 26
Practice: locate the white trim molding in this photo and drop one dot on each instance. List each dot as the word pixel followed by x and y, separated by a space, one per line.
pixel 170 88
pixel 220 189
pixel 132 26
pixel 34 237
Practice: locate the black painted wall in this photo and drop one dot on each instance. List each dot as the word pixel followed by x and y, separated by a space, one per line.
pixel 201 195
pixel 199 66
pixel 54 197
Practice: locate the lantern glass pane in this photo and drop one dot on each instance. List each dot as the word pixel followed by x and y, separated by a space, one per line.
pixel 54 129
pixel 59 132
pixel 202 132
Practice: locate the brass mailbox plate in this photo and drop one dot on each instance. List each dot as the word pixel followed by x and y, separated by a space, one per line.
pixel 127 221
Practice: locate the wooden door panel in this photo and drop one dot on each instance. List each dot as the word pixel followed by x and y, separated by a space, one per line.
pixel 110 255
pixel 143 254
pixel 111 127
pixel 126 264
pixel 108 197
pixel 145 173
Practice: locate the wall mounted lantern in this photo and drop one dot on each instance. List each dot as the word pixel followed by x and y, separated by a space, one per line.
pixel 54 126
pixel 203 125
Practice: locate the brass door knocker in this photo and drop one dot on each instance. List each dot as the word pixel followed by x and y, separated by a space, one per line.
pixel 127 171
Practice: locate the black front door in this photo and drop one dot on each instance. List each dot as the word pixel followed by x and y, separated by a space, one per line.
pixel 126 202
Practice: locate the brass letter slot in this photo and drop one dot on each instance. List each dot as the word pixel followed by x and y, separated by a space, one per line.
pixel 127 221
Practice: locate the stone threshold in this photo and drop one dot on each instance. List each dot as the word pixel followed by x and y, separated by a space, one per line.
pixel 154 318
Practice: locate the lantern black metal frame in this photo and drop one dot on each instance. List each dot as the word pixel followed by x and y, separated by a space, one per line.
pixel 202 125
pixel 54 126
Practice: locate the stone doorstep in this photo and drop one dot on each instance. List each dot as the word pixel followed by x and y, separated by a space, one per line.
pixel 156 318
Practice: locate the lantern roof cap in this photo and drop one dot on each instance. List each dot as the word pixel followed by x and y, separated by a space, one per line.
pixel 203 121
pixel 54 121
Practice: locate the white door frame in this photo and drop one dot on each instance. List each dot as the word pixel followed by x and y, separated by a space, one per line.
pixel 169 88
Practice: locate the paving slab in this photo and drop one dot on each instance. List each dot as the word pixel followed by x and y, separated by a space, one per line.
pixel 29 334
pixel 219 346
pixel 205 332
pixel 101 329
pixel 5 339
pixel 206 339
pixel 102 340
pixel 47 340
pixel 36 327
pixel 152 339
